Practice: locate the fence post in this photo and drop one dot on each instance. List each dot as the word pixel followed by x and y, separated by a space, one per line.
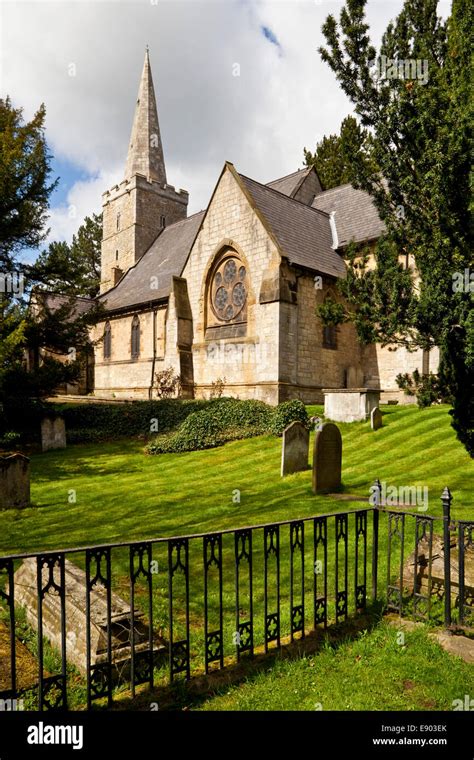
pixel 376 491
pixel 446 500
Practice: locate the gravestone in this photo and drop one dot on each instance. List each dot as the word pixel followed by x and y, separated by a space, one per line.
pixel 327 459
pixel 14 481
pixel 376 418
pixel 53 433
pixel 294 450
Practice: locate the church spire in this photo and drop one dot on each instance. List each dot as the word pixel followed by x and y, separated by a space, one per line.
pixel 145 152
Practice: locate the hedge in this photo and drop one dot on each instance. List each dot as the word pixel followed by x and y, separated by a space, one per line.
pixel 198 423
pixel 88 422
pixel 226 420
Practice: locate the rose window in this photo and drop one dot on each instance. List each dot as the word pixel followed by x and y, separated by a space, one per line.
pixel 228 290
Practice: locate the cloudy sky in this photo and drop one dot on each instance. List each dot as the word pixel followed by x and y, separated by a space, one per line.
pixel 83 59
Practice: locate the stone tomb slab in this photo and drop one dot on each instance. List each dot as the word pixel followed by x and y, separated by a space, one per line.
pixel 327 459
pixel 53 433
pixel 294 450
pixel 75 613
pixel 376 419
pixel 350 404
pixel 14 482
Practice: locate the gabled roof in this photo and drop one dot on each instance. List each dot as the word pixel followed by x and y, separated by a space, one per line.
pixel 290 184
pixel 54 301
pixel 302 233
pixel 355 215
pixel 151 277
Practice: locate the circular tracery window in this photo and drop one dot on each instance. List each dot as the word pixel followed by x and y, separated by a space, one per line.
pixel 228 289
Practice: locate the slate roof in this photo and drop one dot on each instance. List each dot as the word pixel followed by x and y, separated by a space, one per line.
pixel 289 185
pixel 165 257
pixel 54 301
pixel 355 215
pixel 302 233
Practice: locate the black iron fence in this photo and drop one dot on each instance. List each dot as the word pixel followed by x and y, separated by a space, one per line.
pixel 201 602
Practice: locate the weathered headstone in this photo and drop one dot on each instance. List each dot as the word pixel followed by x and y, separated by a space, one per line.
pixel 53 433
pixel 327 459
pixel 294 450
pixel 376 418
pixel 14 481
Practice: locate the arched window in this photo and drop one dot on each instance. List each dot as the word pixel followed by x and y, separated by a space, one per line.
pixel 329 330
pixel 107 341
pixel 118 221
pixel 135 337
pixel 329 336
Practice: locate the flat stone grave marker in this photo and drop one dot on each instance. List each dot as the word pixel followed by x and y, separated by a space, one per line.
pixel 26 595
pixel 53 433
pixel 327 459
pixel 14 481
pixel 376 419
pixel 294 450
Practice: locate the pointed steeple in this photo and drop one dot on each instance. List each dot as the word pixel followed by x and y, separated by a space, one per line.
pixel 145 152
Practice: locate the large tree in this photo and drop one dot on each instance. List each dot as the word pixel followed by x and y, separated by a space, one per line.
pixel 24 182
pixel 413 95
pixel 334 156
pixel 24 195
pixel 74 268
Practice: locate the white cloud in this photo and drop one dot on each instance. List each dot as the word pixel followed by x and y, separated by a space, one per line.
pixel 83 59
pixel 82 200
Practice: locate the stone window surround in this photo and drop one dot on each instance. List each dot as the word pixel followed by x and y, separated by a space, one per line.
pixel 215 329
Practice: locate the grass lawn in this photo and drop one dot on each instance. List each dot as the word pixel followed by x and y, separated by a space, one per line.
pixel 121 494
pixel 375 671
pixel 112 492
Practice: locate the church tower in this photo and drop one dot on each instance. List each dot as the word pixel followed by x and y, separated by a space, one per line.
pixel 136 210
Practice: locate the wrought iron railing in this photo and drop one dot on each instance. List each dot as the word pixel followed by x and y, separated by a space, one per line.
pixel 225 595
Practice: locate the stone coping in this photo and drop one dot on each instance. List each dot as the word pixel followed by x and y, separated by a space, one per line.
pixel 15 455
pixel 351 390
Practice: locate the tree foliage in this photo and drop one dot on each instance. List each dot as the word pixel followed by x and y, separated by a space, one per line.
pixel 25 190
pixel 74 268
pixel 334 156
pixel 420 142
pixel 24 182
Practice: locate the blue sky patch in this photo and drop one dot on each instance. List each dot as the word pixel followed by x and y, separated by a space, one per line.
pixel 270 36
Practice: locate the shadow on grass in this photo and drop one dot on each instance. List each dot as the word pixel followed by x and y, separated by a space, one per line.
pixel 185 695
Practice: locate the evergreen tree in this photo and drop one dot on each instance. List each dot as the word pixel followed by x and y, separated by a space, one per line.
pixel 334 156
pixel 419 127
pixel 24 195
pixel 24 182
pixel 73 269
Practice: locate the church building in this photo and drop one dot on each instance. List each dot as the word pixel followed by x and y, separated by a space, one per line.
pixel 230 293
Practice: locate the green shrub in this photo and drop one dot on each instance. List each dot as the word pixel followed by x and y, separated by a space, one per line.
pixel 93 422
pixel 22 416
pixel 228 419
pixel 288 412
pixel 224 419
pixel 10 438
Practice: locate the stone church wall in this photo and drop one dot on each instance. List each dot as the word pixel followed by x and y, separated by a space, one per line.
pixel 306 366
pixel 249 363
pixel 120 376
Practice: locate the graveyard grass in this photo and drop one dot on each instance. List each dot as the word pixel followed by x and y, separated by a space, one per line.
pixel 122 495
